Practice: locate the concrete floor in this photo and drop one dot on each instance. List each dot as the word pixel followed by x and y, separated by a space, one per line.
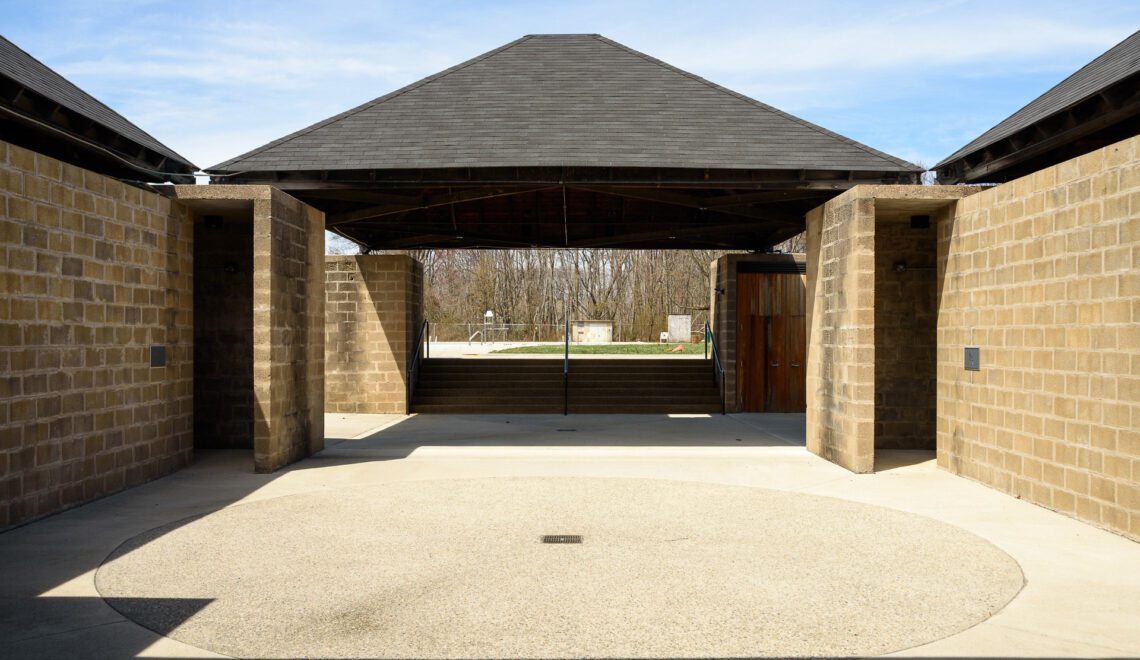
pixel 1081 594
pixel 460 349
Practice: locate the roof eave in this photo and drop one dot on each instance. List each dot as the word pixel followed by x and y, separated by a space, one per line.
pixel 1097 113
pixel 30 108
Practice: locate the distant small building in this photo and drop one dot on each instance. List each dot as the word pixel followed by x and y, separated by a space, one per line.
pixel 592 332
pixel 680 327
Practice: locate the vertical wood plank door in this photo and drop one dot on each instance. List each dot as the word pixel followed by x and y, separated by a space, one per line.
pixel 771 342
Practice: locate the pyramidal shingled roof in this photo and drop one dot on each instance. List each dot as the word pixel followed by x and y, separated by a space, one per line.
pixel 29 72
pixel 1114 65
pixel 563 100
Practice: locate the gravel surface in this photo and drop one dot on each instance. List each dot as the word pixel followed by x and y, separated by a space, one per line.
pixel 449 569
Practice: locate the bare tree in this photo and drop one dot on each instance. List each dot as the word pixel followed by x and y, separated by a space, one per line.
pixel 339 245
pixel 539 289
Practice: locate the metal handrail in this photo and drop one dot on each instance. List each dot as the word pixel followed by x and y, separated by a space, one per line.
pixel 421 346
pixel 717 368
pixel 566 370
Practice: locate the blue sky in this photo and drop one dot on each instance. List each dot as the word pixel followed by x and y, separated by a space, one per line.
pixel 213 79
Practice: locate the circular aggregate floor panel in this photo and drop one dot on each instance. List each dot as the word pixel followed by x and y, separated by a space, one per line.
pixel 445 569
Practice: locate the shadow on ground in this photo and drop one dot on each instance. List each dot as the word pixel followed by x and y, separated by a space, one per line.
pixel 47 607
pixel 893 459
pixel 538 432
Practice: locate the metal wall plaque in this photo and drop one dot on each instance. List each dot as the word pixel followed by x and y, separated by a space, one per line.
pixel 158 356
pixel 973 358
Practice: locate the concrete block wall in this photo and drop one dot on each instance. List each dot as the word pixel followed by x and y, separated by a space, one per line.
pixel 94 272
pixel 841 331
pixel 864 336
pixel 1043 274
pixel 722 318
pixel 374 309
pixel 287 302
pixel 288 320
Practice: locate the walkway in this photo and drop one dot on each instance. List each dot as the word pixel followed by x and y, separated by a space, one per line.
pixel 462 349
pixel 420 536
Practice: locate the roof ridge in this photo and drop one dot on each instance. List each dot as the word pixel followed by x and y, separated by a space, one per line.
pixel 371 104
pixel 969 146
pixel 157 142
pixel 747 99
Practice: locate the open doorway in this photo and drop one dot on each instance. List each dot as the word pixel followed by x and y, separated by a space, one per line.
pixel 223 327
pixel 906 326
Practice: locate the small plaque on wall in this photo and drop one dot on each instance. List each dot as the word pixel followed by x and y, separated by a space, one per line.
pixel 158 356
pixel 973 358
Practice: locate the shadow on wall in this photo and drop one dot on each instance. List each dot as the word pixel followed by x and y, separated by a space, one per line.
pixel 223 329
pixel 389 295
pixel 944 221
pixel 906 327
pixel 374 308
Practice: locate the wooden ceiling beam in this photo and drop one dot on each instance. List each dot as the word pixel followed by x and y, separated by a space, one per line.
pixel 431 202
pixel 689 201
pixel 415 239
pixel 822 180
pixel 763 197
pixel 364 196
pixel 668 234
pixel 1122 113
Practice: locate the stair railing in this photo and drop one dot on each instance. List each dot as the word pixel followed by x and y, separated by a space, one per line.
pixel 717 369
pixel 420 347
pixel 566 369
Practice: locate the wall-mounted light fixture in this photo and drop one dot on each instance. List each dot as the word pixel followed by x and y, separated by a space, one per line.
pixel 901 267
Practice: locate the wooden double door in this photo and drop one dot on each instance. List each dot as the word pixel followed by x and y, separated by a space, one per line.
pixel 771 342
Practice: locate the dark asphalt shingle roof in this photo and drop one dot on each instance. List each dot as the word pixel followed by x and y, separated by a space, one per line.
pixel 1116 64
pixel 563 100
pixel 29 72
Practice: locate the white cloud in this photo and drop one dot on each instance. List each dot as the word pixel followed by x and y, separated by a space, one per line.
pixel 216 79
pixel 878 46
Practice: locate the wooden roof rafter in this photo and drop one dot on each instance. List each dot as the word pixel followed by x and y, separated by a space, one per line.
pixel 1095 106
pixel 40 109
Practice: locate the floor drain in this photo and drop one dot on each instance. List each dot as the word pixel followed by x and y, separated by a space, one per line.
pixel 566 430
pixel 562 538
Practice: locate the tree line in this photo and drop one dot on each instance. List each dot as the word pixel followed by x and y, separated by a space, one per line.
pixel 532 292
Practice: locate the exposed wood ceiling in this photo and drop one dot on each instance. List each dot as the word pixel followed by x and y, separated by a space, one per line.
pixel 564 141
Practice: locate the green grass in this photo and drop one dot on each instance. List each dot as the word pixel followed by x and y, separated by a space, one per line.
pixel 609 349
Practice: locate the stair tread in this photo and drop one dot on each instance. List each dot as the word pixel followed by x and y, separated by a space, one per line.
pixel 489 385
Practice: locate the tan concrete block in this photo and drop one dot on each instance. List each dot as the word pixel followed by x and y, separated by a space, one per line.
pixel 1064 501
pixel 1128 496
pixel 1102 489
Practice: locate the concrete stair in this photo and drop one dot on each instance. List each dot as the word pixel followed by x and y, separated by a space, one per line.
pixel 656 386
